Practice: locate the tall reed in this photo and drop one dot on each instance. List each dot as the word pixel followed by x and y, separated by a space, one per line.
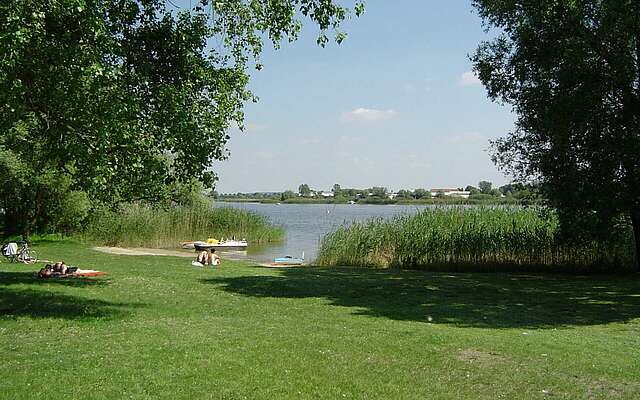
pixel 139 225
pixel 483 239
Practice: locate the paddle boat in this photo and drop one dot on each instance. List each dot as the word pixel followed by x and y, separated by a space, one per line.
pixel 214 244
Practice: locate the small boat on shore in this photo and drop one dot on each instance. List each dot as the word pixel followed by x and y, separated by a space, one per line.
pixel 288 260
pixel 215 244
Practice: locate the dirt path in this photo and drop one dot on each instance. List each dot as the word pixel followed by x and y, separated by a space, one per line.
pixel 141 251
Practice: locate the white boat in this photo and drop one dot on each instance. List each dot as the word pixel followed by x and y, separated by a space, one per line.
pixel 217 245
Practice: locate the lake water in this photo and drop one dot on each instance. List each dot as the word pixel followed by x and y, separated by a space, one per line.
pixel 305 224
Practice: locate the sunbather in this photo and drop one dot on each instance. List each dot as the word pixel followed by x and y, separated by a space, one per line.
pixel 46 272
pixel 207 257
pixel 203 257
pixel 60 267
pixel 214 259
pixel 56 269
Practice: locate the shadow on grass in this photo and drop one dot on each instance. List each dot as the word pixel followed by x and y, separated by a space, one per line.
pixel 462 299
pixel 41 303
pixel 15 278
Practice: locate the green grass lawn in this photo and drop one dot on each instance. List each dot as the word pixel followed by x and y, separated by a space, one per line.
pixel 159 328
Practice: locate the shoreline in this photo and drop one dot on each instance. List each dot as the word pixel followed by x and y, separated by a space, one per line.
pixel 144 251
pixel 436 202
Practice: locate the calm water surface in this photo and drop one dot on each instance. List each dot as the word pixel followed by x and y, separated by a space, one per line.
pixel 305 224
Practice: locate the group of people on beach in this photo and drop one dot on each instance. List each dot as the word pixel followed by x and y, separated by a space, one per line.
pixel 207 257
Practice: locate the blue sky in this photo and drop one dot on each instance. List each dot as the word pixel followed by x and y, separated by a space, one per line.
pixel 394 105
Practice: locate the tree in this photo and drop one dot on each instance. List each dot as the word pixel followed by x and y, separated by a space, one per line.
pixel 288 194
pixel 125 97
pixel 571 72
pixel 38 198
pixel 421 194
pixel 379 192
pixel 485 187
pixel 350 193
pixel 304 190
pixel 472 190
pixel 336 190
pixel 525 194
pixel 510 188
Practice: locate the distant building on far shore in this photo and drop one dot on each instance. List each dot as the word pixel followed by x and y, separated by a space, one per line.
pixel 450 192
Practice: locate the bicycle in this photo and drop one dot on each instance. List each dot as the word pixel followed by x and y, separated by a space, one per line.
pixel 24 254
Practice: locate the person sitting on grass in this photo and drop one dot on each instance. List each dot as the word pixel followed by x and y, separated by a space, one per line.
pixel 207 257
pixel 203 257
pixel 214 259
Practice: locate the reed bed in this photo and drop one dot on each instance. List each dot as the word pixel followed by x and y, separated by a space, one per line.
pixel 136 225
pixel 478 239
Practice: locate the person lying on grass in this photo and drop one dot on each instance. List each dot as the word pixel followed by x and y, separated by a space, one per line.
pixel 56 269
pixel 61 270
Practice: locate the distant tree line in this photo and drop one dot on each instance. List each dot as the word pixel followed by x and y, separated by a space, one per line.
pixel 484 191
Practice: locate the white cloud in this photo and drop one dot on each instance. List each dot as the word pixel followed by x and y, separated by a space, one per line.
pixel 469 78
pixel 368 114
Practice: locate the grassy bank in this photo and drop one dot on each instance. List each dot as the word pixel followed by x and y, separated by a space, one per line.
pixel 158 328
pixel 477 239
pixel 144 226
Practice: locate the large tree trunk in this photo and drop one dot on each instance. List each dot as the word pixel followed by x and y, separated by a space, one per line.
pixel 635 221
pixel 635 212
pixel 25 234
